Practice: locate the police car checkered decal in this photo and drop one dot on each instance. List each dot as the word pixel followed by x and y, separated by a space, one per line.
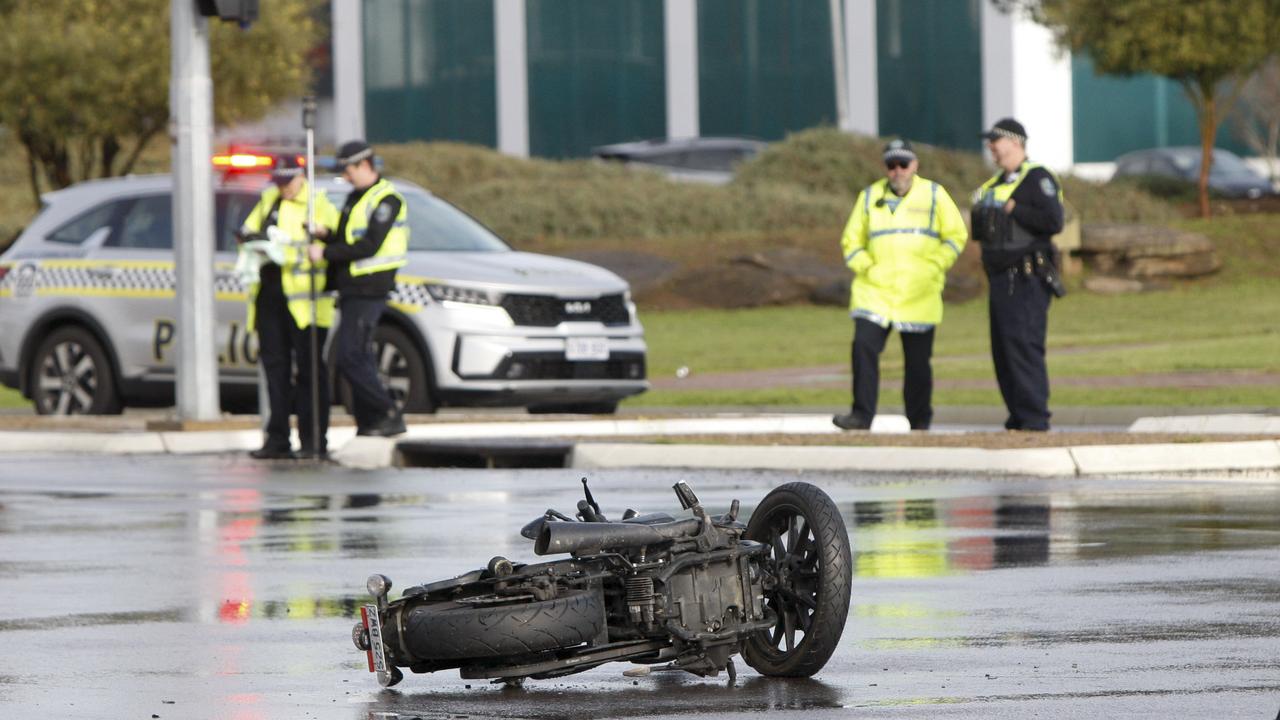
pixel 409 290
pixel 113 278
pixel 148 279
pixel 226 283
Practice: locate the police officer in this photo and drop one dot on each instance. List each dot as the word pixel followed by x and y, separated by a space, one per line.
pixel 280 311
pixel 364 250
pixel 1015 215
pixel 902 236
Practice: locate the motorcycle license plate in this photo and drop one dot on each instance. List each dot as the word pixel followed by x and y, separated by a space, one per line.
pixel 377 655
pixel 586 348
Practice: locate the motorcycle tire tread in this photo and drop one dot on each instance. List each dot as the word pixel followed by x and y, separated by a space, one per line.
pixel 815 650
pixel 451 631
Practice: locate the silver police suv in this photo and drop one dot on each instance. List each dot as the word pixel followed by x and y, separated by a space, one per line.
pixel 88 308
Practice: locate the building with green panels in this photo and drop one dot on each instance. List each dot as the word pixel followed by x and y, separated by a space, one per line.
pixel 596 73
pixel 429 71
pixel 555 78
pixel 929 70
pixel 573 74
pixel 1155 110
pixel 764 67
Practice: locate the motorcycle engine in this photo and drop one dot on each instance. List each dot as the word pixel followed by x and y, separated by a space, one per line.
pixel 707 598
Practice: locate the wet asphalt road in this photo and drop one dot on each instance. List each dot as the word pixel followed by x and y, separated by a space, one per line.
pixel 216 587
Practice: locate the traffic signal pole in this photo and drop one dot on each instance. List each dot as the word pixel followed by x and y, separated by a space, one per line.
pixel 191 128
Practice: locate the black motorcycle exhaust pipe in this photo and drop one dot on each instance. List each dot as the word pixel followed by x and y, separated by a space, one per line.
pixel 575 537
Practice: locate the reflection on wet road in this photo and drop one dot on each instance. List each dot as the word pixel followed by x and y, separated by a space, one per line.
pixel 215 587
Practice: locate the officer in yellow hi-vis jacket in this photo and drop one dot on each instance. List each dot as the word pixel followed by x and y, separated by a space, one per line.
pixel 902 236
pixel 280 307
pixel 370 241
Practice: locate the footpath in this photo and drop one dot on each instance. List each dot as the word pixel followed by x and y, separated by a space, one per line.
pixel 1237 444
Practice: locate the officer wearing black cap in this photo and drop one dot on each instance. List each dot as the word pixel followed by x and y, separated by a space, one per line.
pixel 1015 215
pixel 280 309
pixel 905 231
pixel 364 250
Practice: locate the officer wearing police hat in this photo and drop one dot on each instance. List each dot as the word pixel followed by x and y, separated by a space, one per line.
pixel 280 309
pixel 1015 215
pixel 364 250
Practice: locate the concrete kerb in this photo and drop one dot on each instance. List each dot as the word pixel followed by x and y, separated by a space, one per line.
pixel 1043 461
pixel 1215 457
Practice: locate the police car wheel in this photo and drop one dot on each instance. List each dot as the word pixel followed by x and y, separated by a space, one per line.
pixel 70 375
pixel 403 371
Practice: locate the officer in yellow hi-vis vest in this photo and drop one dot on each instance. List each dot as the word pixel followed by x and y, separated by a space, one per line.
pixel 280 308
pixel 902 236
pixel 1015 216
pixel 369 243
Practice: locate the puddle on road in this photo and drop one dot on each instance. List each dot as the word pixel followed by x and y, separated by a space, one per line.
pixel 236 530
pixel 930 537
pixel 608 695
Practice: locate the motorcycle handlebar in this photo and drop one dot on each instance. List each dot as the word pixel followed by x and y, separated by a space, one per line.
pixel 573 537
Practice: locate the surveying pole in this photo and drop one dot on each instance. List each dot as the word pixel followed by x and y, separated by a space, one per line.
pixel 309 123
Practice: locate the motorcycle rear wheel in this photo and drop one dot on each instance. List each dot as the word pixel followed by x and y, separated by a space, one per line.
pixel 813 564
pixel 454 631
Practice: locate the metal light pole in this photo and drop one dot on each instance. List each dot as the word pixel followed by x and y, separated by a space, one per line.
pixel 838 64
pixel 191 126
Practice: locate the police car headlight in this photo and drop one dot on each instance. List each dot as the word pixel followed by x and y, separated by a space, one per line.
pixel 459 294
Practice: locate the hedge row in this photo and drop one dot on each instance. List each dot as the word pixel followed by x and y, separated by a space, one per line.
pixel 803 185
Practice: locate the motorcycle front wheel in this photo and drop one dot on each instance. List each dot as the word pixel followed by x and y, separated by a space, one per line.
pixel 457 631
pixel 812 564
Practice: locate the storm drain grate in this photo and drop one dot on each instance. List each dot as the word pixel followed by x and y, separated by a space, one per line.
pixel 495 453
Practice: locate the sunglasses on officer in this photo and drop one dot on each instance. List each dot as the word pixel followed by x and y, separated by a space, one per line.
pixel 897 164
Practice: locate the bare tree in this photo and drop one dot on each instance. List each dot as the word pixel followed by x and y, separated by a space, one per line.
pixel 1256 116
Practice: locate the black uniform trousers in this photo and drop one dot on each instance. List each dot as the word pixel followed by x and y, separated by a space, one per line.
pixel 355 361
pixel 1018 306
pixel 917 386
pixel 282 345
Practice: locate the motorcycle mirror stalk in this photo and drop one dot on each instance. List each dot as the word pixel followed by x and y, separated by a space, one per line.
pixel 593 514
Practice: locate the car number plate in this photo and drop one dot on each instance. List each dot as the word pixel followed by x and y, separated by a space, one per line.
pixel 377 655
pixel 586 348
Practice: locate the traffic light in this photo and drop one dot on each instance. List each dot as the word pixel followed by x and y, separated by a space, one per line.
pixel 238 11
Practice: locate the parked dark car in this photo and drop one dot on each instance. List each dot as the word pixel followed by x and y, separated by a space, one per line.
pixel 700 159
pixel 1229 176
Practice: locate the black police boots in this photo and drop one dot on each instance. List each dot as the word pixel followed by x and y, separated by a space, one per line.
pixel 273 451
pixel 852 421
pixel 391 424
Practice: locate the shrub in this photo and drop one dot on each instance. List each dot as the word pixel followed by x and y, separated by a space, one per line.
pixel 826 160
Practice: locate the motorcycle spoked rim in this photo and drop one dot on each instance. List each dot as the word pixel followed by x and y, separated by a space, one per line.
pixel 772 646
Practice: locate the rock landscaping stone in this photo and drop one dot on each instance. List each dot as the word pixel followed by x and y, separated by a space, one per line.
pixel 1141 240
pixel 1146 252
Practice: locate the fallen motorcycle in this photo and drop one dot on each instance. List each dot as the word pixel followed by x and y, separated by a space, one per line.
pixel 649 589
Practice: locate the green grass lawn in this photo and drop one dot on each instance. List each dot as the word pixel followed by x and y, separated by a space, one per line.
pixel 1226 326
pixel 12 399
pixel 1223 326
pixel 1228 322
